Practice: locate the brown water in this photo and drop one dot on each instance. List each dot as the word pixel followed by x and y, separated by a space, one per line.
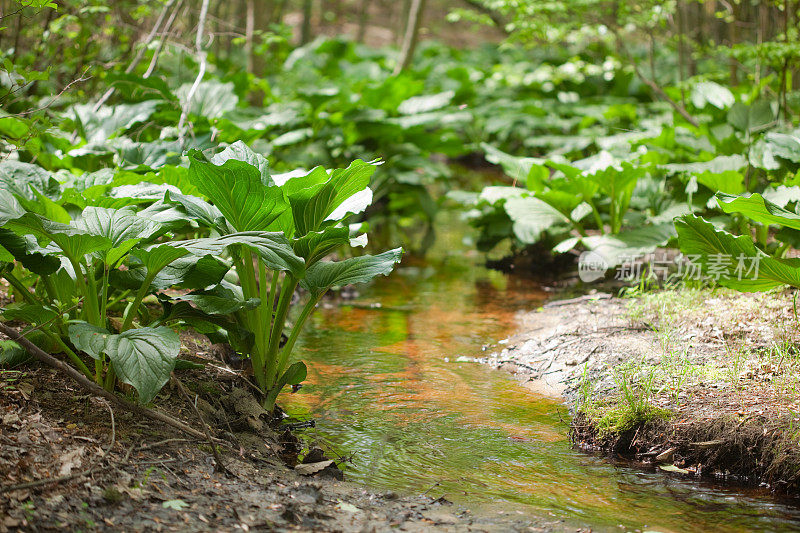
pixel 384 386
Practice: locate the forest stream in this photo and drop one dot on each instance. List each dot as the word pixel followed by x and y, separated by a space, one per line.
pixel 387 386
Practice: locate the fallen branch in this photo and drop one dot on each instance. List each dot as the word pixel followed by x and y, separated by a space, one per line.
pixel 94 388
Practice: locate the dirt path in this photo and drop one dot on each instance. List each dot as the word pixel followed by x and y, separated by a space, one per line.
pixel 698 382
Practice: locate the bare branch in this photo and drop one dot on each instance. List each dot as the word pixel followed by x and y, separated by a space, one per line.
pixel 198 44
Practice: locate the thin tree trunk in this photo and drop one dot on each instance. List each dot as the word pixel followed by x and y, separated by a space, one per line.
pixel 411 36
pixel 733 37
pixel 305 32
pixel 249 28
pixel 679 11
pixel 363 20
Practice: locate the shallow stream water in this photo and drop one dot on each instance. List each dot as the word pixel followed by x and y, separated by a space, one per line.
pixel 385 386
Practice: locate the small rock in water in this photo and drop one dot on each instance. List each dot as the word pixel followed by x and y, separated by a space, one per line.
pixel 464 359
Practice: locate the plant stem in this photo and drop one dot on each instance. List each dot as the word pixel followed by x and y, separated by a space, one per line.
pixel 140 294
pixel 104 297
pixel 21 288
pixel 286 351
pixel 287 290
pixel 111 378
pixel 114 301
pixel 597 218
pixel 72 355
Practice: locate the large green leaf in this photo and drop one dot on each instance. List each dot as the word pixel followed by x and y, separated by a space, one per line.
pixel 519 168
pixel 239 151
pixel 271 247
pixel 315 245
pixel 752 117
pixel 315 196
pixel 186 272
pixel 73 242
pixel 197 208
pixel 784 145
pixel 708 92
pixel 222 299
pixel 532 216
pixel 754 206
pixel 10 207
pixel 18 177
pixel 628 244
pixel 142 358
pixel 734 261
pixel 326 274
pixel 237 191
pixel 26 250
pixel 98 126
pixel 156 258
pixel 211 98
pixel 729 181
pixel 122 227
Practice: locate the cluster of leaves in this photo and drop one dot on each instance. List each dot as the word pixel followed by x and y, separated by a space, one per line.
pixel 621 200
pixel 84 254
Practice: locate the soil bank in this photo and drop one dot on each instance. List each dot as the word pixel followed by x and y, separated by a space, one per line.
pixel 697 382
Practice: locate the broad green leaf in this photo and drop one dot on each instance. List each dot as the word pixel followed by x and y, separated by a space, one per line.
pixel 729 181
pixel 237 191
pixel 754 206
pixel 136 87
pixel 518 168
pixel 10 207
pixel 122 227
pixel 197 208
pixel 88 338
pixel 99 126
pixel 47 208
pixel 212 99
pixel 752 117
pixel 317 195
pixel 496 193
pixel 145 155
pixel 315 245
pixel 17 178
pixel 186 272
pixel 157 257
pixel 734 261
pixel 784 145
pixel 142 358
pixel 73 242
pixel 618 248
pixel 12 354
pixel 782 195
pixel 326 274
pixel 26 250
pixel 239 151
pixel 708 92
pixel 29 313
pixel 532 216
pixel 271 247
pixel 426 103
pixel 718 164
pixel 222 299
